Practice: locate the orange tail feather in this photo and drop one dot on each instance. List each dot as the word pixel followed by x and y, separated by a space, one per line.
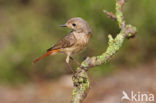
pixel 45 55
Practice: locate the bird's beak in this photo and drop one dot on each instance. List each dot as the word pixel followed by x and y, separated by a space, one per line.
pixel 64 25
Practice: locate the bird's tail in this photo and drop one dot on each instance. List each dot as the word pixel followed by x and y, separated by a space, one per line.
pixel 45 55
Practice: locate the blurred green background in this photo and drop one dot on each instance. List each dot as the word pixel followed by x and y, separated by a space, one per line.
pixel 29 27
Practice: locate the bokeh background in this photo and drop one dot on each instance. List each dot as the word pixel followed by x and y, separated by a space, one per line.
pixel 29 27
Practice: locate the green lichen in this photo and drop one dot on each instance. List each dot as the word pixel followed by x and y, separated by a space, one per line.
pixel 81 89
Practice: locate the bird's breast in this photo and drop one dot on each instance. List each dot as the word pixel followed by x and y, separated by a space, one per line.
pixel 82 40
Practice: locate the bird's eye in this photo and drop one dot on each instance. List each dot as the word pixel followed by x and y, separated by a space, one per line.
pixel 74 24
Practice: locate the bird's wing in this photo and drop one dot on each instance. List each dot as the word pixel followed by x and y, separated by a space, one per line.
pixel 68 41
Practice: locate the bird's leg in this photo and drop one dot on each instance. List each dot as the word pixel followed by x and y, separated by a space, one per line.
pixel 68 64
pixel 75 61
pixel 78 63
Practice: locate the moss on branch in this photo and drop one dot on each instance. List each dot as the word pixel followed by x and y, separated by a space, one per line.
pixel 80 79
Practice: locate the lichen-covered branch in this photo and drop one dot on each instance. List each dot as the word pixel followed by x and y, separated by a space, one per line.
pixel 80 79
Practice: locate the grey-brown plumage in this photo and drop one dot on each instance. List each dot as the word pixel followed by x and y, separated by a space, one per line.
pixel 67 41
pixel 74 42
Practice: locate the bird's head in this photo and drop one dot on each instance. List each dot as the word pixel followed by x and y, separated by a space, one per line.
pixel 77 24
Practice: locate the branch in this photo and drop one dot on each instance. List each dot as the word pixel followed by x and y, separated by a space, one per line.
pixel 80 79
pixel 110 15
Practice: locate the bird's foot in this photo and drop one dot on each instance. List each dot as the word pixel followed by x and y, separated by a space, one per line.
pixel 76 62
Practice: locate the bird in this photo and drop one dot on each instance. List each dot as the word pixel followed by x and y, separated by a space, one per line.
pixel 73 43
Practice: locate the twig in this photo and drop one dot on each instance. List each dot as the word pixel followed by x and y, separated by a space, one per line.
pixel 80 79
pixel 110 15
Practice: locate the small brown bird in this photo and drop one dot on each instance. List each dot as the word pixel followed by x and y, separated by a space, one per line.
pixel 72 43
